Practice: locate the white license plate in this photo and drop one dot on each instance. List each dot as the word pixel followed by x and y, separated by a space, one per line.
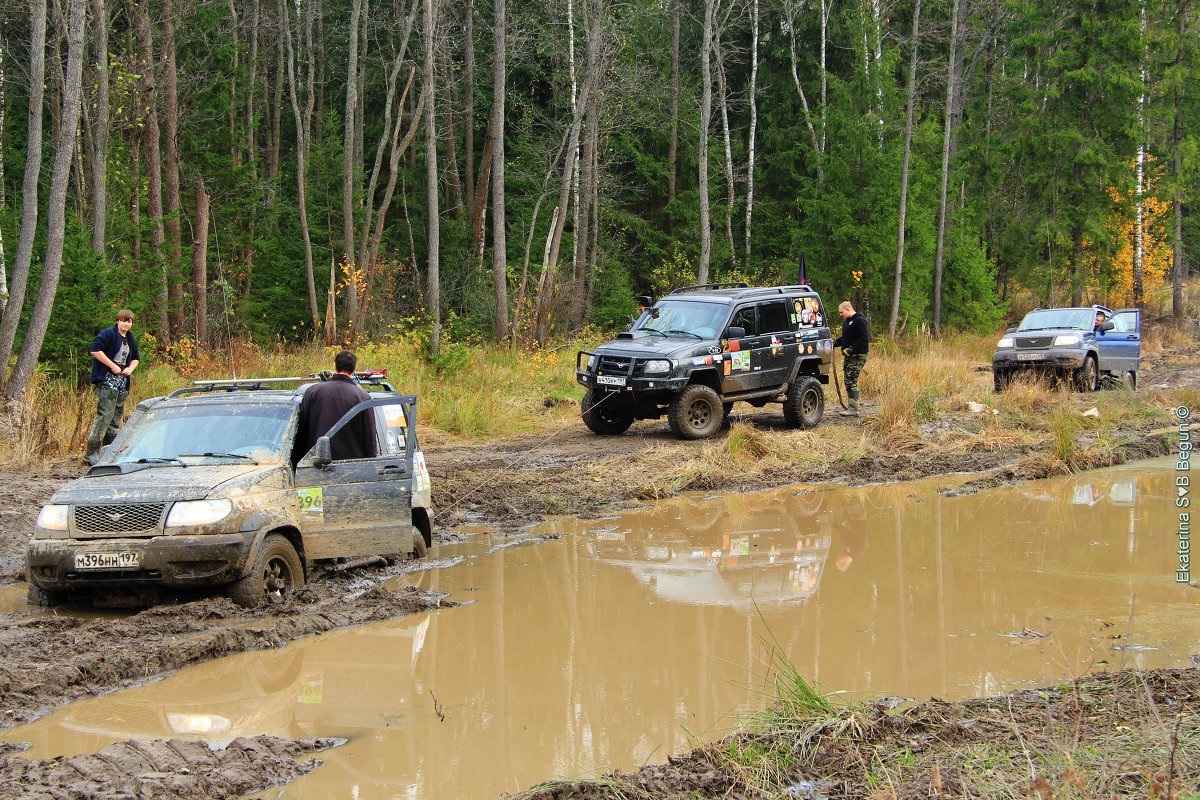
pixel 107 560
pixel 1031 356
pixel 610 380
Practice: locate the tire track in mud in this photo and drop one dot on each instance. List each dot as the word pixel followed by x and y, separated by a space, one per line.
pixel 51 660
pixel 164 769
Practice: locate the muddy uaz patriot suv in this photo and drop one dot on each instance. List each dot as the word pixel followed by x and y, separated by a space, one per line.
pixel 696 351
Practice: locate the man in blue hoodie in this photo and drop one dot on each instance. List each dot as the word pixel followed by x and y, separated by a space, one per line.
pixel 114 358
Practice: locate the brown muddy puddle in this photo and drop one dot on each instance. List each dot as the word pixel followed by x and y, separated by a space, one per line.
pixel 615 644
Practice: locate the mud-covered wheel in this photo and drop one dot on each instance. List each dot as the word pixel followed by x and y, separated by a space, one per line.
pixel 604 414
pixel 420 549
pixel 45 598
pixel 1001 380
pixel 274 575
pixel 1086 378
pixel 805 402
pixel 696 413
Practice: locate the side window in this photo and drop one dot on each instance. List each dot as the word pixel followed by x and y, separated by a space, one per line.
pixel 774 317
pixel 1123 323
pixel 393 430
pixel 806 312
pixel 744 318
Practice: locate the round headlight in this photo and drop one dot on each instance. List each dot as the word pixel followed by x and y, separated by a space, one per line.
pixel 657 367
pixel 1066 340
pixel 198 512
pixel 53 517
pixel 1007 341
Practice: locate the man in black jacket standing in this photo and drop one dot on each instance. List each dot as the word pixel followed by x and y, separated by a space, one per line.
pixel 855 342
pixel 326 403
pixel 115 356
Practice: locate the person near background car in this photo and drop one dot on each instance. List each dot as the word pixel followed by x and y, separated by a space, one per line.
pixel 326 403
pixel 114 358
pixel 855 342
pixel 1099 327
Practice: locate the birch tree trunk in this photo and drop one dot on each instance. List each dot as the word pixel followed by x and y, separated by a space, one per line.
pixel 1139 197
pixel 496 136
pixel 673 148
pixel 730 192
pixel 753 128
pixel 148 92
pixel 469 103
pixel 433 297
pixel 60 174
pixel 583 216
pixel 200 263
pixel 303 130
pixel 908 125
pixel 29 186
pixel 397 152
pixel 171 153
pixel 1178 270
pixel 702 155
pixel 3 192
pixel 100 140
pixel 792 11
pixel 951 88
pixel 348 148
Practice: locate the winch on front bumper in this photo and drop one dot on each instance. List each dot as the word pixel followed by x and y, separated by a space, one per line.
pixel 627 375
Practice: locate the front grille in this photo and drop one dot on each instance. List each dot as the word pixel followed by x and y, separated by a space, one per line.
pixel 613 364
pixel 1034 342
pixel 125 518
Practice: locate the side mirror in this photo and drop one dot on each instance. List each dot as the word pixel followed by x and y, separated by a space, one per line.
pixel 1011 330
pixel 735 332
pixel 1108 326
pixel 324 452
pixel 645 301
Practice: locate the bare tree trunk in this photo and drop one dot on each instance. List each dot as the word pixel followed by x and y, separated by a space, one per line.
pixel 908 125
pixel 100 142
pixel 496 136
pixel 730 196
pixel 29 187
pixel 702 156
pixel 469 103
pixel 753 130
pixel 673 148
pixel 276 118
pixel 554 239
pixel 1139 270
pixel 433 228
pixel 951 88
pixel 171 153
pixel 303 131
pixel 60 174
pixel 200 263
pixel 792 12
pixel 1178 270
pixel 348 253
pixel 252 89
pixel 397 152
pixel 481 191
pixel 578 307
pixel 3 192
pixel 824 73
pixel 150 141
pixel 235 155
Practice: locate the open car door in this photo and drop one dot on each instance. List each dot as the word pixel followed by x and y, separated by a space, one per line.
pixel 363 506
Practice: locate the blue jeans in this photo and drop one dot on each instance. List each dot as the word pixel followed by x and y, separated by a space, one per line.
pixel 110 407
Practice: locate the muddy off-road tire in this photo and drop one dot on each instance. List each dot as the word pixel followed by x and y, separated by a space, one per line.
pixel 696 413
pixel 603 415
pixel 274 575
pixel 45 598
pixel 1086 378
pixel 420 549
pixel 805 402
pixel 1001 380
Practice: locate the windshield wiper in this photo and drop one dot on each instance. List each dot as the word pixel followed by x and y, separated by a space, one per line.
pixel 219 455
pixel 653 330
pixel 685 333
pixel 159 460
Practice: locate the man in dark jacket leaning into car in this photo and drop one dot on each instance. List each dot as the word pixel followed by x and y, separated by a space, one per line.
pixel 855 342
pixel 326 403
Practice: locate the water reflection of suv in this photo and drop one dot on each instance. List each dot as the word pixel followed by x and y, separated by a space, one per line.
pixel 1067 344
pixel 702 348
pixel 202 489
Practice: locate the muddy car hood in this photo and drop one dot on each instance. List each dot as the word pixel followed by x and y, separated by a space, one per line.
pixel 161 484
pixel 1051 332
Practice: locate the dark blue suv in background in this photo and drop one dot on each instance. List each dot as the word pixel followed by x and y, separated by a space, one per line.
pixel 1069 343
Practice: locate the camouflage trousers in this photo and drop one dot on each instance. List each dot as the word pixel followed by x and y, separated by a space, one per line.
pixel 852 368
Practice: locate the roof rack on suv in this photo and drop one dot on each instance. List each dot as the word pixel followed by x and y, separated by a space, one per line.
pixel 371 377
pixel 727 285
pixel 803 287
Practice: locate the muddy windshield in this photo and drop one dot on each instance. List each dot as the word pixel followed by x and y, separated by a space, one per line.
pixel 254 432
pixel 684 318
pixel 1079 318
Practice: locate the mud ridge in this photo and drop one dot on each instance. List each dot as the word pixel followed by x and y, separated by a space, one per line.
pixel 97 656
pixel 164 769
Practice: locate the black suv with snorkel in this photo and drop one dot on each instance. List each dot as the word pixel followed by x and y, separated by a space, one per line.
pixel 700 349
